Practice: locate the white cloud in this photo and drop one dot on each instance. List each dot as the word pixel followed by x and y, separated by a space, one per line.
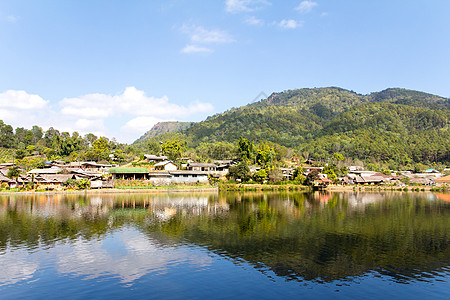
pixel 195 49
pixel 254 21
pixel 21 100
pixel 88 106
pixel 306 6
pixel 87 125
pixel 131 112
pixel 199 36
pixel 237 6
pixel 289 24
pixel 140 124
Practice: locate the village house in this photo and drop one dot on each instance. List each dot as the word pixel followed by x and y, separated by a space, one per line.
pixel 159 178
pixel 129 173
pixel 222 166
pixel 165 166
pixel 442 181
pixel 287 173
pixel 308 169
pixel 205 167
pixel 154 158
pixel 52 181
pixel 6 180
pixel 52 170
pixel 88 166
pixel 188 176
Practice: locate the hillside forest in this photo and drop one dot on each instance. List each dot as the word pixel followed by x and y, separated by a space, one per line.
pixel 393 129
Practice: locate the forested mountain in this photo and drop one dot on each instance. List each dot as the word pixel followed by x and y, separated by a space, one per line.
pixel 392 125
pixel 165 127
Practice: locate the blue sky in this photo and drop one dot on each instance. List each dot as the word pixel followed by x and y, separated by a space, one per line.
pixel 116 68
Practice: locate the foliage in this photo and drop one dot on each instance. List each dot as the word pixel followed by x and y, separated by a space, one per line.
pixel 13 172
pixel 216 151
pixel 260 175
pixel 396 127
pixel 239 172
pixel 173 149
pixel 275 175
pixel 330 172
pixel 245 149
pixel 264 154
pixel 80 184
pixel 311 177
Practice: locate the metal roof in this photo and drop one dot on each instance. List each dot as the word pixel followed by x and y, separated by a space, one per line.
pixel 128 170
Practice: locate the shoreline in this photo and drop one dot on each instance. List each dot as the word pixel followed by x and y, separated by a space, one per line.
pixel 113 191
pixel 237 188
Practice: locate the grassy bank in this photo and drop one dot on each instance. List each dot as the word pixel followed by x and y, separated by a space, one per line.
pixel 338 188
pixel 161 189
pixel 261 187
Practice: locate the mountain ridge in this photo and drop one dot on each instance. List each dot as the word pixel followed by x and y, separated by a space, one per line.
pixel 301 118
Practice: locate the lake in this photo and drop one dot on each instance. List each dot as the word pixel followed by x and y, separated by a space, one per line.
pixel 222 245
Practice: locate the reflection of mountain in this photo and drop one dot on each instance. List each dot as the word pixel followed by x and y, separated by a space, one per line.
pixel 297 236
pixel 304 237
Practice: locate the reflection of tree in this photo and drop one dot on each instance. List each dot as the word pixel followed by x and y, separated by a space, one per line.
pixel 297 236
pixel 329 240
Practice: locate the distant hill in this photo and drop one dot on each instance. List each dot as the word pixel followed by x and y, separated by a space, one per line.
pixel 327 120
pixel 164 127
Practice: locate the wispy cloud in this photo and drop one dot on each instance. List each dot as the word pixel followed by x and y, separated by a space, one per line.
pixel 21 100
pixel 11 19
pixel 254 21
pixel 132 111
pixel 289 24
pixel 237 6
pixel 200 36
pixel 306 6
pixel 195 49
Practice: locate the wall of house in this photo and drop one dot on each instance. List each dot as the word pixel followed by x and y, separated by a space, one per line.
pixel 170 167
pixel 190 179
pixel 160 181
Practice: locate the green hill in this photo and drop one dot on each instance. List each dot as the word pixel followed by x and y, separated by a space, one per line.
pixel 395 124
pixel 164 127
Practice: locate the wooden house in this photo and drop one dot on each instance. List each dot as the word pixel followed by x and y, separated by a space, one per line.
pixel 165 166
pixel 442 181
pixel 205 167
pixel 155 158
pixel 129 173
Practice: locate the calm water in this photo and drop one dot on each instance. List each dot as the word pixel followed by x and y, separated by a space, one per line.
pixel 258 245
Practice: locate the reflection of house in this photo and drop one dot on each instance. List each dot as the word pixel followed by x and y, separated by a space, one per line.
pixel 165 166
pixel 129 173
pixel 206 167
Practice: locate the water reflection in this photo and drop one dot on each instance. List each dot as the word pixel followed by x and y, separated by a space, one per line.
pixel 317 237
